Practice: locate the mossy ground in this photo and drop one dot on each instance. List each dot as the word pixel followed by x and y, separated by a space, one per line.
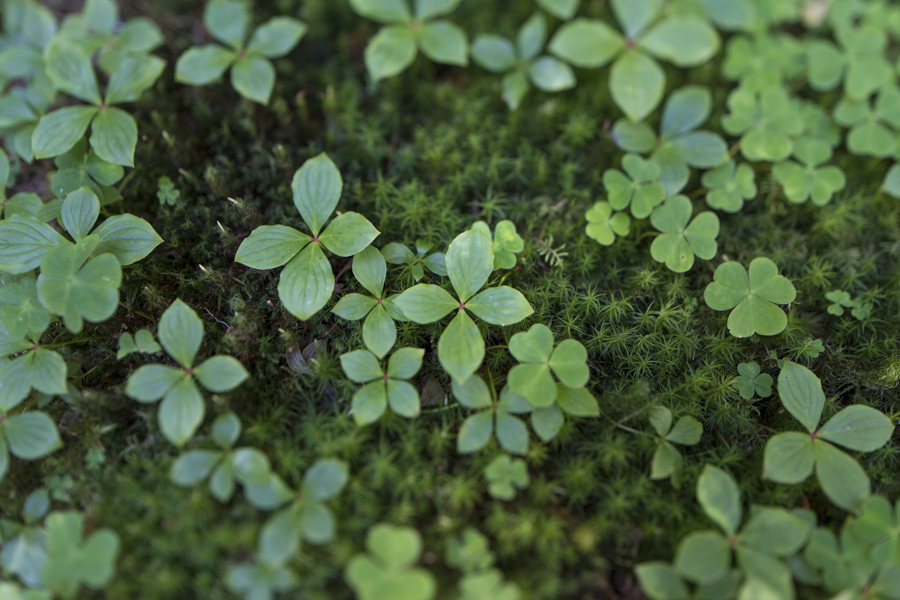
pixel 423 156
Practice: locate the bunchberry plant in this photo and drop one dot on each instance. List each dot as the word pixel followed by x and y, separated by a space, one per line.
pixel 841 300
pixel 638 187
pixel 181 411
pixel 636 80
pixel 307 281
pixel 252 71
pixel 679 145
pixel 540 361
pixel 167 193
pixel 394 48
pixel 506 475
pixel 667 461
pixel 81 167
pixel 810 180
pixel 224 467
pixel 470 262
pixel 729 185
pixel 379 332
pixel 753 296
pixel 383 387
pixel 767 121
pixel 494 417
pixel 873 126
pixel 387 569
pixel 522 63
pixel 418 261
pixel 142 341
pixel 791 457
pixel 505 242
pixel 751 382
pixel 681 237
pixel 604 224
pixel 306 516
pixel 73 560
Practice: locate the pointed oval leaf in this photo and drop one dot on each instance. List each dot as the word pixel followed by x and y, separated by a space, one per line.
pixel 461 347
pixel 636 84
pixel 470 261
pixel 425 303
pixel 325 479
pixel 180 333
pixel 317 188
pixel 501 305
pixel 271 246
pixel 801 394
pixel 789 458
pixel 348 234
pixel 181 411
pixel 842 478
pixel 80 210
pixel 720 498
pixel 859 428
pixel 221 373
pixel 306 283
pixel 31 435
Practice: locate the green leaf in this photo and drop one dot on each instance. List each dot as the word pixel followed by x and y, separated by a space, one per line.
pixel 61 129
pixel 687 431
pixel 277 37
pixel 686 109
pixel 226 430
pixel 660 581
pixel 703 557
pixel 685 41
pixel 444 43
pixel 774 531
pixel 134 76
pixel 203 65
pixel 475 432
pixel 270 246
pixel 403 398
pixel 515 85
pixel 426 303
pixel 569 363
pixel 72 561
pixel 181 411
pixel 180 333
pixel 720 498
pixel 254 78
pixel 842 478
pixel 221 373
pixel 251 466
pixel 325 479
pixel 680 241
pixel 429 9
pixel 858 428
pixel 801 394
pixel 318 523
pixel 306 283
pixel 379 332
pixel 361 366
pixel 636 84
pixel 317 188
pixel 31 435
pixel 383 11
pixel 151 382
pixel 551 75
pixel 494 53
pixel 461 347
pixel 222 483
pixel 547 422
pixel 636 16
pixel 789 458
pixel 354 307
pixel 192 467
pixel 280 537
pixel 390 52
pixel 227 21
pixel 473 393
pixel 604 225
pixel 891 184
pixel 534 383
pixel 561 9
pixel 80 211
pixel 511 433
pixel 666 462
pixel 70 69
pixel 753 297
pixel 114 136
pixel 578 402
pixel 531 37
pixel 370 270
pixel 534 345
pixel 729 186
pixel 586 43
pixel 405 362
pixel 126 237
pixel 25 241
pixel 470 261
pixel 66 288
pixel 348 234
pixel 660 418
pixel 500 306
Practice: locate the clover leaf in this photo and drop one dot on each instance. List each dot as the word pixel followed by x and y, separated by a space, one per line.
pixel 384 387
pixel 470 262
pixel 532 379
pixel 72 560
pixel 679 144
pixel 522 63
pixel 259 581
pixel 640 188
pixel 487 585
pixel 394 47
pixel 860 62
pixel 767 122
pixel 306 517
pixel 636 81
pixel 307 280
pixel 505 476
pixel 181 412
pixel 753 297
pixel 873 127
pixel 839 301
pixel 750 382
pixel 142 341
pixel 604 224
pixel 223 467
pixel 252 71
pixel 470 551
pixel 493 418
pixel 681 240
pixel 763 61
pixel 729 185
pixel 398 254
pixel 387 570
pixel 809 180
pixel 790 457
pixel 113 131
pixel 167 193
pixel 667 461
pixel 505 242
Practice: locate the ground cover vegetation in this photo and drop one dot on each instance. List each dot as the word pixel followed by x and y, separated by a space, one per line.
pixel 448 299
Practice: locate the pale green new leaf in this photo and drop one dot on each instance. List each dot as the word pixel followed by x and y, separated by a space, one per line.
pixel 202 65
pixel 316 189
pixel 857 427
pixel 306 283
pixel 114 136
pixel 461 347
pixel 221 373
pixel 271 246
pixel 720 498
pixel 254 78
pixel 180 333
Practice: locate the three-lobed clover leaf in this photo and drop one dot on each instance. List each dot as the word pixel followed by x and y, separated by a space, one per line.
pixel 398 254
pixel 492 418
pixel 505 476
pixel 393 49
pixel 681 241
pixel 224 467
pixel 387 570
pixel 167 192
pixel 604 224
pixel 307 281
pixel 839 301
pixel 522 63
pixel 72 560
pixel 767 121
pixel 790 457
pixel 729 185
pixel 181 411
pixel 752 382
pixel 306 516
pixel 383 387
pixel 638 187
pixel 753 297
pixel 505 242
pixel 252 72
pixel 379 332
pixel 540 361
pixel 810 180
pixel 636 80
pixel 873 127
pixel 142 341
pixel 763 61
pixel 487 585
pixel 860 62
pixel 667 461
pixel 680 145
pixel 113 131
pixel 259 581
pixel 470 262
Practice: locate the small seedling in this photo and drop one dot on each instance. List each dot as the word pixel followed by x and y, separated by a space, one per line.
pixel 667 461
pixel 493 418
pixel 505 476
pixel 142 341
pixel 729 185
pixel 387 570
pixel 681 241
pixel 753 297
pixel 751 382
pixel 604 224
pixel 640 188
pixel 809 180
pixel 72 560
pixel 840 300
pixel 167 192
pixel 398 254
pixel 533 378
pixel 505 242
pixel 383 387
